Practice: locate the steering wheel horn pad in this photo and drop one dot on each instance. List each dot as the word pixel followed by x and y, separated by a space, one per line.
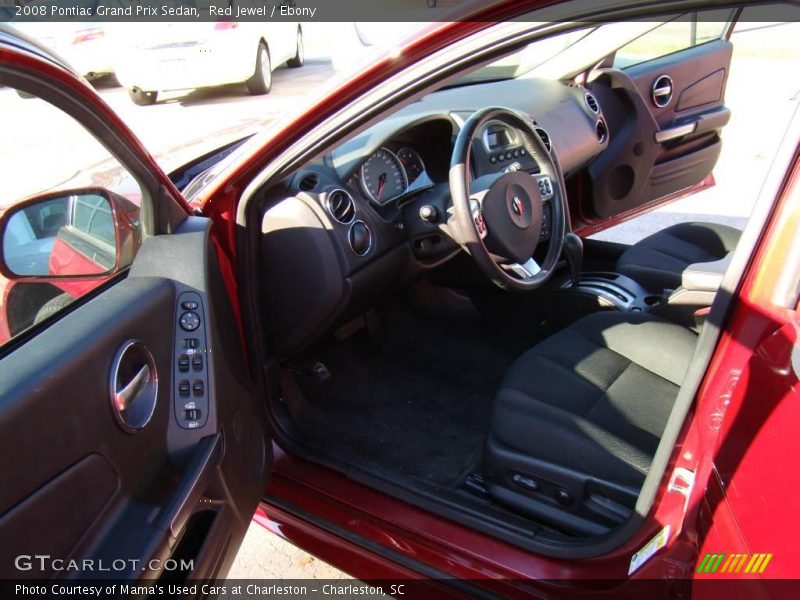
pixel 512 210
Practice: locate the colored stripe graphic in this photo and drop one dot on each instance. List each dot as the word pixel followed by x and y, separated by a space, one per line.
pixel 726 567
pixel 735 563
pixel 710 563
pixel 701 568
pixel 763 565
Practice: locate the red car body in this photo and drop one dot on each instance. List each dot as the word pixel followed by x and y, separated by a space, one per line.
pixel 740 441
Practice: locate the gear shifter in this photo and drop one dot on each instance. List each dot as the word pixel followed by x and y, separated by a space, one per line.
pixel 573 249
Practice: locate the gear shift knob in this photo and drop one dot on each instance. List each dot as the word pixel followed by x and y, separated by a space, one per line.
pixel 573 249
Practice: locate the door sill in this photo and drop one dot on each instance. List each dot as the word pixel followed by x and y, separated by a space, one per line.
pixel 304 466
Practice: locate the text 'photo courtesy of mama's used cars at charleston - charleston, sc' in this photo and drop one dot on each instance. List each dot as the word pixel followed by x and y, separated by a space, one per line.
pixel 442 299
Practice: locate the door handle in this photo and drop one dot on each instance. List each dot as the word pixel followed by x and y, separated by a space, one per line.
pixel 133 386
pixel 673 133
pixel 664 90
pixel 128 392
pixel 708 121
pixel 661 91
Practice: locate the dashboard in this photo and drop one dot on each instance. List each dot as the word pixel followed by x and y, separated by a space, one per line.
pixel 370 215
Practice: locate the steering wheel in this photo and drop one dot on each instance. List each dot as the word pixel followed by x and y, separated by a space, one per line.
pixel 497 218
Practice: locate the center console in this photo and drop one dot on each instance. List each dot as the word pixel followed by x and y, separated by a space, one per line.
pixel 617 291
pixel 699 285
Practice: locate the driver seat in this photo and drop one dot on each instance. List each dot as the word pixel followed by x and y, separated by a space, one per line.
pixel 577 419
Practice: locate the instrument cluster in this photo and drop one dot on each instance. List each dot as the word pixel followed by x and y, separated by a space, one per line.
pixel 391 173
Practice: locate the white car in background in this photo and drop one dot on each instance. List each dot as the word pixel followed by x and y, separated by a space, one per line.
pixel 180 56
pixel 85 46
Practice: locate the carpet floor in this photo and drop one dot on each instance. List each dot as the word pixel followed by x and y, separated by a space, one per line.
pixel 411 399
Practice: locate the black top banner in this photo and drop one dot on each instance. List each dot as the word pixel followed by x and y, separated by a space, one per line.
pixel 188 11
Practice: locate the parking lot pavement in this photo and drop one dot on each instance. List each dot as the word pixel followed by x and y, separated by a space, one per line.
pixel 264 555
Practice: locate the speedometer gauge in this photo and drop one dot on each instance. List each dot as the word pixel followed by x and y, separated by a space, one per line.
pixel 383 177
pixel 412 163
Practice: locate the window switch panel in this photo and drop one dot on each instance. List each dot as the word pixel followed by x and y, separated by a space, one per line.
pixel 191 396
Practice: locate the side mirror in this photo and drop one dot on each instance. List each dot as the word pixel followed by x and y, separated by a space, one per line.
pixel 83 233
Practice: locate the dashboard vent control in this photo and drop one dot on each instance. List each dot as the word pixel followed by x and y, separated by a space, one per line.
pixel 602 131
pixel 309 182
pixel 545 138
pixel 341 206
pixel 591 102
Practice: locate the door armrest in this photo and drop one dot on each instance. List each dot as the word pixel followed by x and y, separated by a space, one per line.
pixel 709 121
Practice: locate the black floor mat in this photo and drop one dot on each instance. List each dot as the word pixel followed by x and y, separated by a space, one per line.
pixel 413 399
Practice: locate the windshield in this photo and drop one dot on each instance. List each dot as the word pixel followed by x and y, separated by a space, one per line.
pixel 525 60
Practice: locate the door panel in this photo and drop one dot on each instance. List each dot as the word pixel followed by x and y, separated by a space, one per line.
pixel 665 117
pixel 77 482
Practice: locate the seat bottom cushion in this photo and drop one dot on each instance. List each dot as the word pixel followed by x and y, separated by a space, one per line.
pixel 658 261
pixel 595 397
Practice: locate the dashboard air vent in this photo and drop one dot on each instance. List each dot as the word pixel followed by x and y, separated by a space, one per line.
pixel 341 206
pixel 360 238
pixel 602 131
pixel 309 182
pixel 591 102
pixel 545 138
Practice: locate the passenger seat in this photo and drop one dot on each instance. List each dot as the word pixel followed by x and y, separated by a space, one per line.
pixel 657 262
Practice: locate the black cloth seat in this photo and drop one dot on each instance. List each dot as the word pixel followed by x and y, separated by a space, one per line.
pixel 594 399
pixel 657 261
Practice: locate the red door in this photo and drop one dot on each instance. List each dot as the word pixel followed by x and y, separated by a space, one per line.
pixel 749 411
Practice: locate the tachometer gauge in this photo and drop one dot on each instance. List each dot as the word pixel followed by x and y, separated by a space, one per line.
pixel 412 163
pixel 383 177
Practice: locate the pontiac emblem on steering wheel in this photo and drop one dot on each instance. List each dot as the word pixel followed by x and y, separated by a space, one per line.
pixel 518 206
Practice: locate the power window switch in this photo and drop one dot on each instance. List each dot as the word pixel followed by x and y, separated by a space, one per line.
pixel 197 362
pixel 198 387
pixel 183 363
pixel 184 388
